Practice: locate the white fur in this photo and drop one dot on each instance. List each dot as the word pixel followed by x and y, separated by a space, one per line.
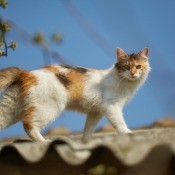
pixel 109 92
pixel 49 94
pixel 10 107
pixel 105 94
pixel 49 97
pixel 62 69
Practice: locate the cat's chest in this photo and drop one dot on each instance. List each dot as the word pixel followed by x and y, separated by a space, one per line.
pixel 99 91
pixel 115 95
pixel 100 94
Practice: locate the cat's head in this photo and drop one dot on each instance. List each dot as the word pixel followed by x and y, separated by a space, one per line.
pixel 132 66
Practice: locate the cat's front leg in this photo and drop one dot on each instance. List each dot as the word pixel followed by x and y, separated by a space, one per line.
pixel 91 122
pixel 115 117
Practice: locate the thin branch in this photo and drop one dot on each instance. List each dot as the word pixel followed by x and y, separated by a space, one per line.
pixel 5 44
pixel 26 36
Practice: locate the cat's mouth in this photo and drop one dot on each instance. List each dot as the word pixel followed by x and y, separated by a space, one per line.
pixel 131 77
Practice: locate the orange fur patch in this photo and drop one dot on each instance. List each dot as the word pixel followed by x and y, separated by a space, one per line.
pixel 144 68
pixel 8 76
pixel 27 118
pixel 73 80
pixel 140 61
pixel 52 68
pixel 76 85
pixel 133 70
pixel 133 67
pixel 25 80
pixel 60 75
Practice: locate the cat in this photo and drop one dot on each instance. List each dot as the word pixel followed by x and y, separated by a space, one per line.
pixel 37 97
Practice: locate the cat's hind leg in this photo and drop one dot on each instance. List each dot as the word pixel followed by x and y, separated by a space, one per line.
pixel 36 118
pixel 44 101
pixel 33 132
pixel 30 125
pixel 91 122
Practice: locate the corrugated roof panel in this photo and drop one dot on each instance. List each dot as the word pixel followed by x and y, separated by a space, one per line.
pixel 150 148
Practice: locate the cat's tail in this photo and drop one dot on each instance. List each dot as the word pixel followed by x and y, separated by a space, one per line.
pixel 10 107
pixel 8 76
pixel 10 98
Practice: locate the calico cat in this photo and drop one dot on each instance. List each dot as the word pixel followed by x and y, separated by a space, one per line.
pixel 37 97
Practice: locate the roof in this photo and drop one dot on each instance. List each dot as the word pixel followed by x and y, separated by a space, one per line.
pixel 143 152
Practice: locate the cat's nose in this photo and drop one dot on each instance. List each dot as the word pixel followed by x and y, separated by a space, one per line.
pixel 132 74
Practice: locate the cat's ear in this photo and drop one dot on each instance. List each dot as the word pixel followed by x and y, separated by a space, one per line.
pixel 145 53
pixel 121 55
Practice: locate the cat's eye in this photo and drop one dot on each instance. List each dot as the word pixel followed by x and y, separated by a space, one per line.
pixel 127 67
pixel 138 67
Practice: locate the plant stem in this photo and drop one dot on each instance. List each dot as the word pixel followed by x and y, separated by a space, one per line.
pixel 5 44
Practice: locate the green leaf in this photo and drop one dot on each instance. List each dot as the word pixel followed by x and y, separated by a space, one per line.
pixel 57 38
pixel 13 45
pixel 39 38
pixel 4 27
pixel 3 4
pixel 1 45
pixel 1 53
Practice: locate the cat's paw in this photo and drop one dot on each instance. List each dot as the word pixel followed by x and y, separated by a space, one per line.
pixel 128 131
pixel 125 131
pixel 48 141
pixel 85 139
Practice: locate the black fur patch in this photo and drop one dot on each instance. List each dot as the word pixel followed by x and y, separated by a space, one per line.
pixel 64 80
pixel 119 66
pixel 133 56
pixel 125 63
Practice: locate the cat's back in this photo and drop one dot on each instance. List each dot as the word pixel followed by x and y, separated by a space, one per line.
pixel 76 82
pixel 47 86
pixel 44 78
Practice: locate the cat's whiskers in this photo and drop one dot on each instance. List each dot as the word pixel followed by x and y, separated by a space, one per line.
pixel 147 82
pixel 123 78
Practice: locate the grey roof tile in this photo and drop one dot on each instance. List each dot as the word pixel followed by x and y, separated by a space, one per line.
pixel 147 147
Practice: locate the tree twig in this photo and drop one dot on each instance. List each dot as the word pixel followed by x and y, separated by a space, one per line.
pixel 5 44
pixel 26 36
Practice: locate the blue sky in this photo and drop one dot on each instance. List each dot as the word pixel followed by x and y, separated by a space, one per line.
pixel 91 31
